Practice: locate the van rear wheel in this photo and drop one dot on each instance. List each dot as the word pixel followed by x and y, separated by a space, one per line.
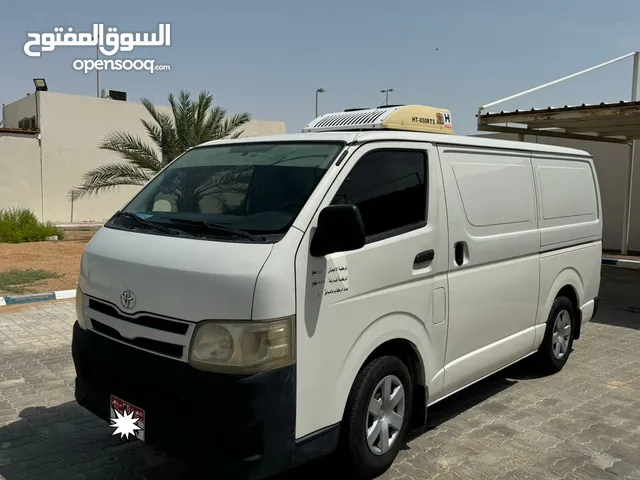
pixel 377 416
pixel 558 338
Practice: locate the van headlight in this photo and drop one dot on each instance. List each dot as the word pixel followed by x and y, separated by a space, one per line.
pixel 243 347
pixel 80 308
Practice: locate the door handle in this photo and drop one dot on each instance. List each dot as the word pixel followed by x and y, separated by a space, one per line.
pixel 425 256
pixel 458 252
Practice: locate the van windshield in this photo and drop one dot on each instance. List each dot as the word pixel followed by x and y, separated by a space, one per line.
pixel 241 191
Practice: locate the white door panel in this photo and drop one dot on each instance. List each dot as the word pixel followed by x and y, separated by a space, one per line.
pixel 570 210
pixel 494 264
pixel 349 303
pixel 489 303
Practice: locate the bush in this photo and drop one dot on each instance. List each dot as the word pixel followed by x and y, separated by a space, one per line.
pixel 18 225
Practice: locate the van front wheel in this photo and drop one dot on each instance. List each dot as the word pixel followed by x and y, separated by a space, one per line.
pixel 558 338
pixel 376 417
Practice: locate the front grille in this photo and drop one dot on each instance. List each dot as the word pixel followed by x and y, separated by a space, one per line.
pixel 153 333
pixel 156 346
pixel 143 320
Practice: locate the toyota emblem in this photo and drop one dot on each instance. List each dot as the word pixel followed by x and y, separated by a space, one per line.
pixel 128 299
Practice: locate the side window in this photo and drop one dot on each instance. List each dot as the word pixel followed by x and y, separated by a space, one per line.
pixel 389 187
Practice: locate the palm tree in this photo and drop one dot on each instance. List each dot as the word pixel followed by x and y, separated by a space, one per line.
pixel 191 124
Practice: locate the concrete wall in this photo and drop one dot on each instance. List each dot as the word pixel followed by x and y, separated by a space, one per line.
pixel 20 171
pixel 256 128
pixel 16 111
pixel 72 126
pixel 611 161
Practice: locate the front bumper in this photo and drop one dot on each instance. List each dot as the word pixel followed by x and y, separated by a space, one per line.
pixel 244 425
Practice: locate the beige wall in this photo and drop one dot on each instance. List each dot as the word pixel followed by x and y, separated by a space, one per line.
pixel 255 128
pixel 16 111
pixel 20 172
pixel 611 161
pixel 72 126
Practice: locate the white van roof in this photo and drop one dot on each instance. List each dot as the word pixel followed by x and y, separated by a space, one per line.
pixel 398 135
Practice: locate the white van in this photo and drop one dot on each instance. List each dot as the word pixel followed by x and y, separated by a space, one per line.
pixel 266 301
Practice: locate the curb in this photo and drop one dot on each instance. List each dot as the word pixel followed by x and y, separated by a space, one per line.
pixel 619 262
pixel 37 297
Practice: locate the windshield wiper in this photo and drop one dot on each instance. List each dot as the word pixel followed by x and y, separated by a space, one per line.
pixel 146 223
pixel 217 227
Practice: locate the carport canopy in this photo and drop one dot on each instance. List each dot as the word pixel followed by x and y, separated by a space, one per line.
pixel 605 122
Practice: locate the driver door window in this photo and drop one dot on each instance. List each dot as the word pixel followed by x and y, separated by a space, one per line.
pixel 389 187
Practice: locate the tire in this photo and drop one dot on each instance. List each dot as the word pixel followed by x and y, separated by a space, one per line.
pixel 553 355
pixel 362 460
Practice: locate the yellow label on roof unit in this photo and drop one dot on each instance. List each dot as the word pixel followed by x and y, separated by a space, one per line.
pixel 420 118
pixel 415 118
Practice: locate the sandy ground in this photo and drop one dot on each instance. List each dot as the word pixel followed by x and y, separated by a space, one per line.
pixel 61 257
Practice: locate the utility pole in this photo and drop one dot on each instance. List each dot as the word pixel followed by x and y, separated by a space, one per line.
pixel 386 95
pixel 318 92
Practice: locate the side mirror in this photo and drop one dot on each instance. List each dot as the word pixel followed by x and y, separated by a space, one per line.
pixel 340 229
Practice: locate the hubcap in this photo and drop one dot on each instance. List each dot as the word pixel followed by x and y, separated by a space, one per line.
pixel 561 334
pixel 385 415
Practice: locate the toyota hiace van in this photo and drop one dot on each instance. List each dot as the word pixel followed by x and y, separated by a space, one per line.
pixel 265 301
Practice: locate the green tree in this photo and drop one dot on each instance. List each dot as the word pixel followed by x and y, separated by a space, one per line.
pixel 191 123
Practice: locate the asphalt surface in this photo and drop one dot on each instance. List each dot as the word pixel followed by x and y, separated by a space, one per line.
pixel 581 423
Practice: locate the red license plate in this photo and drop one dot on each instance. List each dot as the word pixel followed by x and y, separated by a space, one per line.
pixel 125 408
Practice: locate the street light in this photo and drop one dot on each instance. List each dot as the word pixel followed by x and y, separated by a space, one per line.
pixel 40 84
pixel 386 94
pixel 318 92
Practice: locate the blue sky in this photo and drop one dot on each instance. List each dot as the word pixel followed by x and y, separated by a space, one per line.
pixel 269 57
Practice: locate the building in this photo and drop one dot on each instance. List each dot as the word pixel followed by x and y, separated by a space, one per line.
pixel 38 167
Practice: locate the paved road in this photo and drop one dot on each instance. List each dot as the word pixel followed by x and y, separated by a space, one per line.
pixel 582 423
